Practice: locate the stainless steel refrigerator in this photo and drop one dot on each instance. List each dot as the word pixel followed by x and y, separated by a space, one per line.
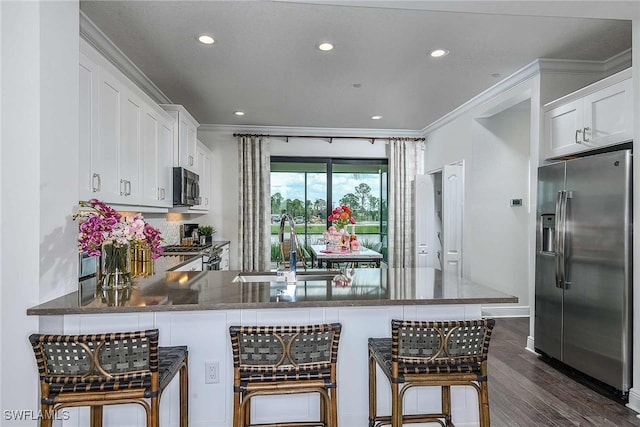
pixel 583 266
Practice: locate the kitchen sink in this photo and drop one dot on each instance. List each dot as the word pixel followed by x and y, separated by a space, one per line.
pixel 271 276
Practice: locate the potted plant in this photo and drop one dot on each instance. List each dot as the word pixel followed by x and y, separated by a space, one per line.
pixel 207 231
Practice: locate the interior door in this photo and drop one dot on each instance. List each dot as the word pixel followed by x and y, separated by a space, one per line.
pixel 452 207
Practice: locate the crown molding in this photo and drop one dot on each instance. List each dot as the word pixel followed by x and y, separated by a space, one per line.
pixel 604 68
pixel 103 44
pixel 280 130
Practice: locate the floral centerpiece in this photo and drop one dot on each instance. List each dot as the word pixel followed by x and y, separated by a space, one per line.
pixel 104 232
pixel 342 216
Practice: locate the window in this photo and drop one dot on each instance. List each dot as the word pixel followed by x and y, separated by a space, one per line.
pixel 309 188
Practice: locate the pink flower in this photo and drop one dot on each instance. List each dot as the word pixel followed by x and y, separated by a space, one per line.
pixel 102 224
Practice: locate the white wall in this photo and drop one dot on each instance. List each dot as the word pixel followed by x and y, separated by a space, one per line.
pixel 224 210
pixel 495 141
pixel 499 172
pixel 38 178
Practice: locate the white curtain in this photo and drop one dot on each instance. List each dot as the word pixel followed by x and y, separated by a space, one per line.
pixel 254 232
pixel 406 159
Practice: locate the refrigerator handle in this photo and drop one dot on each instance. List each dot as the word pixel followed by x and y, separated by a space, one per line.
pixel 561 212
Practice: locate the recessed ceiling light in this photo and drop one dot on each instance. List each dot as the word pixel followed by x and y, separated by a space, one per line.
pixel 325 47
pixel 438 53
pixel 239 113
pixel 376 117
pixel 205 39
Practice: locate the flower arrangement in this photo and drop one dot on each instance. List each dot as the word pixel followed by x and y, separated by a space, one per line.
pixel 104 226
pixel 341 216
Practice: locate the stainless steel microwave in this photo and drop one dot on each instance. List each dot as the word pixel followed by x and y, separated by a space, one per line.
pixel 186 187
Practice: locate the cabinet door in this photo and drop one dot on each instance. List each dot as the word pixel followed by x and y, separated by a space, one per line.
pixel 187 143
pixel 609 115
pixel 204 172
pixel 129 152
pixel 106 153
pixel 165 163
pixel 149 159
pixel 89 119
pixel 563 127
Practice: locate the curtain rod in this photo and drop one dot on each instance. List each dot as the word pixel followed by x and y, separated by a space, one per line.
pixel 371 139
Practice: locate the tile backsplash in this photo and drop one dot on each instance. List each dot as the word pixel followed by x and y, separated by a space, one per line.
pixel 170 230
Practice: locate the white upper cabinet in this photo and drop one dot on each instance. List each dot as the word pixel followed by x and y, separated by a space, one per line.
pixel 184 137
pixel 156 159
pixel 125 138
pixel 597 116
pixel 203 160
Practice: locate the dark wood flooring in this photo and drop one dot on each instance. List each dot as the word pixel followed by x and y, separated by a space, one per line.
pixel 526 391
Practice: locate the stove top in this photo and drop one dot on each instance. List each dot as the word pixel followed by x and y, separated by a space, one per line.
pixel 184 249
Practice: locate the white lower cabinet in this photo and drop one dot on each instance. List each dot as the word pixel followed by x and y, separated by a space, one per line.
pixel 597 116
pixel 126 140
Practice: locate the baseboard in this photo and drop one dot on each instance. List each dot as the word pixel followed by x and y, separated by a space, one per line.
pixel 531 345
pixel 634 399
pixel 509 311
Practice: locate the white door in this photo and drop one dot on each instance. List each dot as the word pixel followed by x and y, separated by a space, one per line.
pixel 129 153
pixel 424 204
pixel 106 152
pixel 149 159
pixel 452 215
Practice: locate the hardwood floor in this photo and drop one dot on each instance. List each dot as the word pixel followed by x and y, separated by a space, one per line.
pixel 526 391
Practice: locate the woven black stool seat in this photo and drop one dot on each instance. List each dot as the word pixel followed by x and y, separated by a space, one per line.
pixel 421 354
pixel 273 360
pixel 107 369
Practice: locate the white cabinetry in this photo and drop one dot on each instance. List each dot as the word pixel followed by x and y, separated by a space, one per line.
pixel 184 137
pixel 596 116
pixel 125 138
pixel 195 265
pixel 203 156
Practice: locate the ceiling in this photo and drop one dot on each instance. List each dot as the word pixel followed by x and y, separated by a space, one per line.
pixel 265 61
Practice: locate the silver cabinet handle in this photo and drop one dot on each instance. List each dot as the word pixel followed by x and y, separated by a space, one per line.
pixel 190 160
pixel 95 188
pixel 576 136
pixel 584 134
pixel 128 187
pixel 123 187
pixel 206 201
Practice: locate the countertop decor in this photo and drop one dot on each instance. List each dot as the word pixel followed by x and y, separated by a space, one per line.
pixel 105 232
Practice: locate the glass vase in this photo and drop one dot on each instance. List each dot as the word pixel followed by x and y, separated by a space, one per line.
pixel 116 267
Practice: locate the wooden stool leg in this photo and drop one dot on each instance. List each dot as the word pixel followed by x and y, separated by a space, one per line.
pixel 47 421
pixel 247 413
pixel 333 405
pixel 184 395
pixel 396 416
pixel 372 391
pixel 236 409
pixel 155 412
pixel 446 403
pixel 96 416
pixel 483 401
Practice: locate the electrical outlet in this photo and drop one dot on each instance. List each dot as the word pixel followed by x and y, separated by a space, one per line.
pixel 211 372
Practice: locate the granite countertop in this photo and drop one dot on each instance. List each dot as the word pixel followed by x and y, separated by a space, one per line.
pixel 216 290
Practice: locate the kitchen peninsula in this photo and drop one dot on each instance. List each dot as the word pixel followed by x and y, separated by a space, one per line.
pixel 196 309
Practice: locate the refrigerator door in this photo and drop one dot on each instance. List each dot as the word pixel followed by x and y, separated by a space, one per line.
pixel 597 299
pixel 548 302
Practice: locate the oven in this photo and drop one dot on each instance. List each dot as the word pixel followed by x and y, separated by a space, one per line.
pixel 212 260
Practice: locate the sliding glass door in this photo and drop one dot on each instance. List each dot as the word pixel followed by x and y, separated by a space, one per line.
pixel 308 189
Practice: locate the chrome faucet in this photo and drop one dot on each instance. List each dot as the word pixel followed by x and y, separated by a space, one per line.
pixel 292 240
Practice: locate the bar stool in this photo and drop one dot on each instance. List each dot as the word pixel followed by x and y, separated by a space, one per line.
pixel 421 354
pixel 274 360
pixel 108 369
